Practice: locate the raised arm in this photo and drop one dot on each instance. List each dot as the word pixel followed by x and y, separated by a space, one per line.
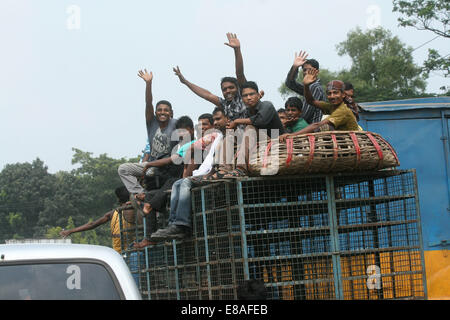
pixel 88 226
pixel 233 42
pixel 202 93
pixel 291 80
pixel 309 129
pixel 149 109
pixel 309 78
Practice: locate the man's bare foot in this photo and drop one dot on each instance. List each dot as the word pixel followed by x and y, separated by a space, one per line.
pixel 144 243
pixel 147 208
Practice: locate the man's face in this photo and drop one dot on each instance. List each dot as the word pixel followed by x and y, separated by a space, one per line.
pixel 349 93
pixel 229 90
pixel 283 117
pixel 204 125
pixel 185 133
pixel 307 67
pixel 163 112
pixel 220 121
pixel 293 112
pixel 250 97
pixel 335 97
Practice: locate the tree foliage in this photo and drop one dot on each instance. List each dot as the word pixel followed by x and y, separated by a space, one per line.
pixel 382 67
pixel 24 188
pixel 37 204
pixel 433 16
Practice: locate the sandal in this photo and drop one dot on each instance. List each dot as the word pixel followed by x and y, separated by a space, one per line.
pixel 236 173
pixel 218 176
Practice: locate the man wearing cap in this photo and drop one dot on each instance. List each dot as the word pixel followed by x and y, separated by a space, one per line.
pixel 309 113
pixel 341 117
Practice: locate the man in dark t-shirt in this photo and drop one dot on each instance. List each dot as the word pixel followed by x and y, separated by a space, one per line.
pixel 263 123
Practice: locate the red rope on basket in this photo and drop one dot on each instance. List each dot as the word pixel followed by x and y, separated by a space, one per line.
pixel 312 143
pixel 269 145
pixel 392 150
pixel 357 148
pixel 335 150
pixel 290 151
pixel 378 148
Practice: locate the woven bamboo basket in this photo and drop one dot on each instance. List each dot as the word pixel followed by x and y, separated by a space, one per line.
pixel 324 152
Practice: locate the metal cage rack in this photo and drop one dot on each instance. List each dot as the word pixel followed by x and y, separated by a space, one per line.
pixel 339 236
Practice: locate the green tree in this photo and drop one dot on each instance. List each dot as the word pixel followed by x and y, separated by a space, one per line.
pixel 23 190
pixel 87 237
pixel 35 203
pixel 99 174
pixel 433 16
pixel 382 66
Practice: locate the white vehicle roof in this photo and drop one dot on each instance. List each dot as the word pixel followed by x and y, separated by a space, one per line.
pixel 42 252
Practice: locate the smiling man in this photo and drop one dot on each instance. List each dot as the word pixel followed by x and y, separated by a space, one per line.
pixel 341 117
pixel 295 121
pixel 232 101
pixel 309 113
pixel 160 127
pixel 263 122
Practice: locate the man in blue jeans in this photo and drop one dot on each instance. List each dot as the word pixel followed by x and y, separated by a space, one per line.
pixel 180 200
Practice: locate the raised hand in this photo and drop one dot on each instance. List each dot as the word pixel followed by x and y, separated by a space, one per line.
pixel 233 41
pixel 145 75
pixel 310 76
pixel 300 59
pixel 179 75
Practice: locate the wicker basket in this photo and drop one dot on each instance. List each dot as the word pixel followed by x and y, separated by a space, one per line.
pixel 324 152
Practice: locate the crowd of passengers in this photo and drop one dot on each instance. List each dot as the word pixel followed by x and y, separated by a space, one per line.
pixel 180 155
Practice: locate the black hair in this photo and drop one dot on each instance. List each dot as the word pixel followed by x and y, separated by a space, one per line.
pixel 281 110
pixel 207 116
pixel 251 85
pixel 184 122
pixel 219 109
pixel 313 63
pixel 122 194
pixel 229 79
pixel 348 86
pixel 295 102
pixel 252 290
pixel 164 102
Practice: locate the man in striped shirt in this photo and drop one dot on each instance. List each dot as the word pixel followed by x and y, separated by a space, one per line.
pixel 309 112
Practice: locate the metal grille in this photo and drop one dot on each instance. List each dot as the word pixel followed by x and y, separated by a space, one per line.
pixel 343 236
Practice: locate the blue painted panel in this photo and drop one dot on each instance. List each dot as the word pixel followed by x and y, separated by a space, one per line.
pixel 408 104
pixel 418 145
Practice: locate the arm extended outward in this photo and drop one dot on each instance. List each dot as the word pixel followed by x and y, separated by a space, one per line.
pixel 202 93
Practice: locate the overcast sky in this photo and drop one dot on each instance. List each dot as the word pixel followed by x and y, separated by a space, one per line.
pixel 68 69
